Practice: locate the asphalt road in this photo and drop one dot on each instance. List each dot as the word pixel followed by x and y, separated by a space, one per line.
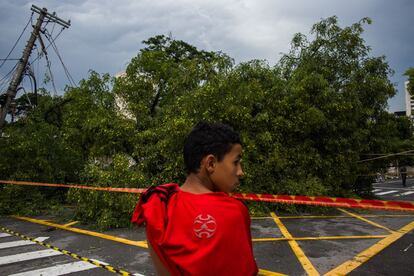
pixel 394 190
pixel 351 242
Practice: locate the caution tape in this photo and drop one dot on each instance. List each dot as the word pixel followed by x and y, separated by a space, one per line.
pixel 329 201
pixel 289 199
pixel 66 252
pixel 121 190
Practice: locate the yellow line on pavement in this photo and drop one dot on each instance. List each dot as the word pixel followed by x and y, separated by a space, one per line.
pixel 365 255
pixel 366 220
pixel 311 217
pixel 261 217
pixel 268 239
pixel 319 238
pixel 386 216
pixel 86 232
pixel 70 223
pixel 270 273
pixel 307 265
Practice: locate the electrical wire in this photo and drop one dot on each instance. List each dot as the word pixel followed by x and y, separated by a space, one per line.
pixel 38 57
pixel 68 75
pixel 53 28
pixel 11 71
pixel 25 92
pixel 17 41
pixel 48 64
pixel 35 64
pixel 385 156
pixel 33 83
pixel 7 77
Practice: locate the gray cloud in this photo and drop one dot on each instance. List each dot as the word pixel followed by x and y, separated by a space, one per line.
pixel 105 35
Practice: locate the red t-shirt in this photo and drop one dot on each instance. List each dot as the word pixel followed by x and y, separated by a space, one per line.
pixel 197 234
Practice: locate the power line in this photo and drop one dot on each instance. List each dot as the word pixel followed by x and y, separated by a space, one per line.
pixel 33 83
pixel 47 47
pixel 48 63
pixel 9 73
pixel 11 91
pixel 67 73
pixel 17 41
pixel 53 28
pixel 385 156
pixel 7 76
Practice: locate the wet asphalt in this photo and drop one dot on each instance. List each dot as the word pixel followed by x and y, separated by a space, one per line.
pixel 326 241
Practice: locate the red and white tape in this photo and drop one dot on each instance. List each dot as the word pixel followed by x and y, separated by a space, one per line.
pixel 289 199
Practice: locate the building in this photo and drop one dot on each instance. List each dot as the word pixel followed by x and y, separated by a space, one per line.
pixel 400 113
pixel 409 102
pixel 121 104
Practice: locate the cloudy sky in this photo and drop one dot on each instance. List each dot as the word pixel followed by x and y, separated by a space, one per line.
pixel 104 35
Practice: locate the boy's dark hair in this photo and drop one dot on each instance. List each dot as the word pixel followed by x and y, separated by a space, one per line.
pixel 205 139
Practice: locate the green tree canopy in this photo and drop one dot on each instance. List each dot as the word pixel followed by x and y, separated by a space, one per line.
pixel 307 123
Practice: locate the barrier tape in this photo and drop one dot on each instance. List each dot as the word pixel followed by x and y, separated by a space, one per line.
pixel 121 190
pixel 73 255
pixel 330 201
pixel 289 199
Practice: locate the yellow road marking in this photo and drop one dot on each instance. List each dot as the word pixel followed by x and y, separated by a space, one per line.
pixel 270 273
pixel 307 265
pixel 113 238
pixel 366 220
pixel 365 255
pixel 70 223
pixel 261 217
pixel 319 238
pixel 313 217
pixel 86 232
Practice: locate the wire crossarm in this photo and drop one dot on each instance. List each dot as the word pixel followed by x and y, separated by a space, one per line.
pixel 17 77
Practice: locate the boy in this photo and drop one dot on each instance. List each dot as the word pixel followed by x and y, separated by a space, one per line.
pixel 197 229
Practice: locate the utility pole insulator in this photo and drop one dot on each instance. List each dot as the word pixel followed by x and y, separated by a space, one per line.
pixel 17 77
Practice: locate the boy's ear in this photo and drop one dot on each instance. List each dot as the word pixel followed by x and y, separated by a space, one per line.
pixel 210 163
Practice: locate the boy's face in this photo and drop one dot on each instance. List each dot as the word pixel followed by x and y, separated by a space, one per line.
pixel 227 172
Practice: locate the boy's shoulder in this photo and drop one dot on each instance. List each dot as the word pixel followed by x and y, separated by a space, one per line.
pixel 171 192
pixel 163 191
pixel 212 201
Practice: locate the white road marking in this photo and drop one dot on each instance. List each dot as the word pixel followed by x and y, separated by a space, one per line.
pixel 20 243
pixel 407 193
pixel 2 235
pixel 387 192
pixel 58 269
pixel 376 190
pixel 98 261
pixel 393 188
pixel 28 256
pixel 101 262
pixel 405 250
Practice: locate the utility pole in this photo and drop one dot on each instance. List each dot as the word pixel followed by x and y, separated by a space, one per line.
pixel 17 77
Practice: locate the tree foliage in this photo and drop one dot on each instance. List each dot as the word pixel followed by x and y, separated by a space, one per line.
pixel 307 123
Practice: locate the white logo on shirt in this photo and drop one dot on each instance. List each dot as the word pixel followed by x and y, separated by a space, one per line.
pixel 204 227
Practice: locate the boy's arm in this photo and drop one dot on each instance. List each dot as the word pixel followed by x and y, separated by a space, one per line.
pixel 159 266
